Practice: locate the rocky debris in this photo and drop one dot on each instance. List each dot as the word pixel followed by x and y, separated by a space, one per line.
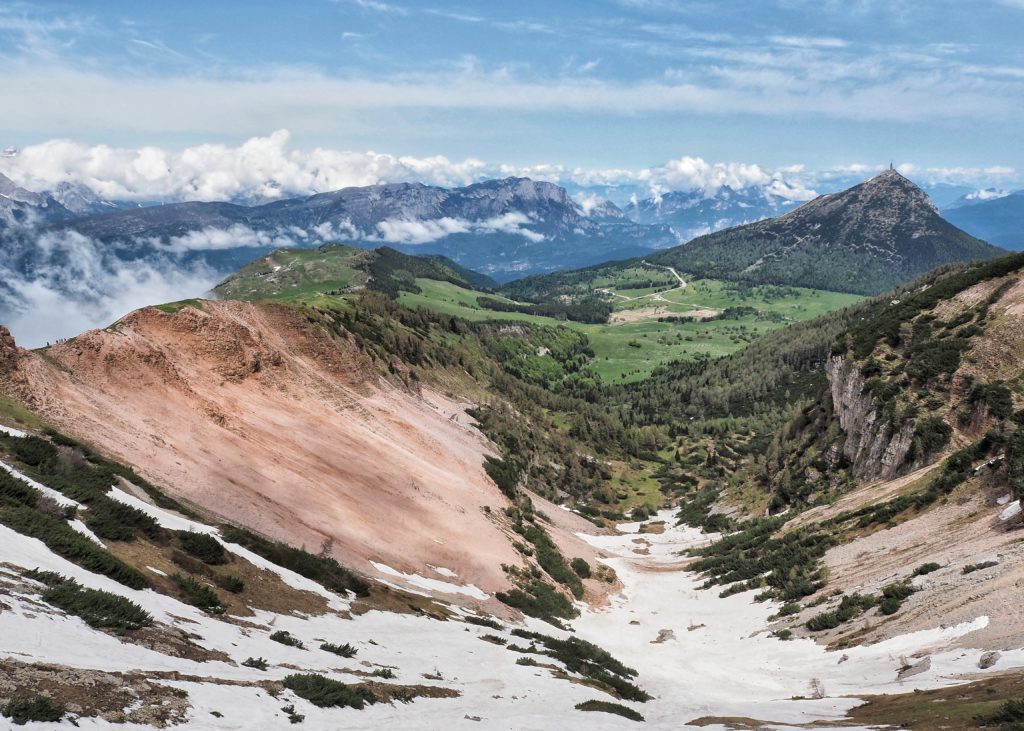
pixel 988 659
pixel 664 635
pixel 908 671
pixel 114 697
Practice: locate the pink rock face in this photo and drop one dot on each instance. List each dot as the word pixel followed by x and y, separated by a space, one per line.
pixel 252 414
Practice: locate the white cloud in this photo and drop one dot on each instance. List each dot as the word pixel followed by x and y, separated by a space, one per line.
pixel 401 231
pixel 261 168
pixel 420 232
pixel 74 284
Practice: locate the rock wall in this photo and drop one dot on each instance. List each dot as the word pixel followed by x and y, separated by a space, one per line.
pixel 874 451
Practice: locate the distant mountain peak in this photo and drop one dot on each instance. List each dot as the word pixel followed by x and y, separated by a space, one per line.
pixel 865 239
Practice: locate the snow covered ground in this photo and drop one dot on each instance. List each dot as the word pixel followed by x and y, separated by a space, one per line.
pixel 714 657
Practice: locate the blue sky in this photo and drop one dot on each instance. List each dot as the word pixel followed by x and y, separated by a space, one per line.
pixel 604 85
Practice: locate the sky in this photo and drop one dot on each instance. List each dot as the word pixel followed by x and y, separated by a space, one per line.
pixel 590 91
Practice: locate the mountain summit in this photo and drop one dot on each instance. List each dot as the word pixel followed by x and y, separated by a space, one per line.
pixel 865 239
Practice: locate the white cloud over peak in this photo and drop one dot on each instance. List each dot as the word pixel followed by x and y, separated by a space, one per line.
pixel 261 168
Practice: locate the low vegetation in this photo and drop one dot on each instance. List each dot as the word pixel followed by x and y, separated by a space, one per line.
pixel 98 608
pixel 198 594
pixel 322 569
pixel 327 693
pixel 607 707
pixel 37 708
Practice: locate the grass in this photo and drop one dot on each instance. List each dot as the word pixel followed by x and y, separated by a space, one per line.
pixel 654 343
pixel 291 274
pixel 12 411
pixel 172 307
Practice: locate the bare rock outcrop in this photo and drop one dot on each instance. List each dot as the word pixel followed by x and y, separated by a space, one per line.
pixel 875 451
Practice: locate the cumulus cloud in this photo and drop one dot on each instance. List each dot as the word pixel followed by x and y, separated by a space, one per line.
pixel 237 235
pixel 260 169
pixel 403 231
pixel 74 283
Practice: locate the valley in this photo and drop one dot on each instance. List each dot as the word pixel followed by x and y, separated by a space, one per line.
pixel 360 479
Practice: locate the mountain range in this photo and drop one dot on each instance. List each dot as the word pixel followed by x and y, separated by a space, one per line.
pixel 998 219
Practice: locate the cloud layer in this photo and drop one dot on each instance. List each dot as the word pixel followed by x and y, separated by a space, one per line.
pixel 74 283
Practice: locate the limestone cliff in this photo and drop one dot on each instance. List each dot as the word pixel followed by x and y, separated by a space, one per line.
pixel 871 446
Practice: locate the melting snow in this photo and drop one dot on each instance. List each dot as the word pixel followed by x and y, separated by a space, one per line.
pixel 423 582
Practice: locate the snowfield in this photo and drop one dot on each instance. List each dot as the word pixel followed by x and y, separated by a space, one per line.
pixel 698 654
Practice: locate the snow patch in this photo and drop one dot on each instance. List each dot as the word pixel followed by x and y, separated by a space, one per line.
pixel 423 582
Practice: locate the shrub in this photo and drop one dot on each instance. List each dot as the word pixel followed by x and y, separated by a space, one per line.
pixel 823 621
pixel 98 608
pixel 116 521
pixel 926 568
pixel 552 560
pixel 541 600
pixel 890 605
pixel 345 650
pixel 1011 712
pixel 481 621
pixel 65 541
pixel 591 661
pixel 581 567
pixel 322 569
pixel 198 594
pixel 606 707
pixel 898 591
pixel 204 547
pixel 526 661
pixel 256 662
pixel 386 673
pixel 230 582
pixel 326 693
pixel 285 638
pixel 972 567
pixel 39 708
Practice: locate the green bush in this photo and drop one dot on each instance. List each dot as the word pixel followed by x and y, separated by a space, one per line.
pixel 327 693
pixel 255 662
pixel 322 569
pixel 198 594
pixel 98 608
pixel 927 568
pixel 581 567
pixel 592 662
pixel 972 567
pixel 1011 712
pixel 65 541
pixel 606 707
pixel 230 582
pixel 113 520
pixel 481 621
pixel 552 560
pixel 346 650
pixel 204 547
pixel 541 600
pixel 38 708
pixel 899 591
pixel 286 638
pixel 890 605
